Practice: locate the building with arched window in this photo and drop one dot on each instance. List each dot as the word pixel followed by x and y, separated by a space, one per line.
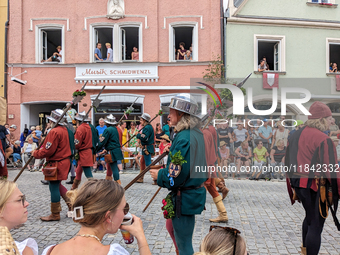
pixel 130 47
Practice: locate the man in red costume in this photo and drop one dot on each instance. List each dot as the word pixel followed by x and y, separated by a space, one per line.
pixel 57 150
pixel 211 158
pixel 83 143
pixel 314 176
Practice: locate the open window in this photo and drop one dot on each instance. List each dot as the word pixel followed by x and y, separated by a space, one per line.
pixel 183 42
pixel 321 1
pixel 103 35
pixel 50 41
pixel 334 57
pixel 271 49
pixel 130 43
pixel 124 38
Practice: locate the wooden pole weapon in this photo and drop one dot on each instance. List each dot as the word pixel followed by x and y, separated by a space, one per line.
pixel 141 174
pixel 141 129
pixel 68 106
pixel 146 207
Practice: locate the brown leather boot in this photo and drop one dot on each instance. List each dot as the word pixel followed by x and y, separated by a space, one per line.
pixel 303 250
pixel 68 202
pixel 55 216
pixel 75 184
pixel 222 217
pixel 109 178
pixel 119 182
pixel 221 186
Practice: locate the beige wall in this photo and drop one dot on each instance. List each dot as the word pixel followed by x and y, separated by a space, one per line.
pixel 3 19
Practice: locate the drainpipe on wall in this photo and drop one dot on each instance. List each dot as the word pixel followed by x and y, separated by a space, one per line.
pixel 222 35
pixel 225 18
pixel 6 55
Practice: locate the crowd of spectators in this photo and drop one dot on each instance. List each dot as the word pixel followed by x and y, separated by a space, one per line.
pixel 18 149
pixel 261 144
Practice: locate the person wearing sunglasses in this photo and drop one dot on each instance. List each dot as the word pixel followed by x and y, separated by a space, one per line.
pixel 13 212
pixel 98 217
pixel 186 185
pixel 223 240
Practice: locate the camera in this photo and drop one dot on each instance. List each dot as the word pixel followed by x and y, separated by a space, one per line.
pixel 18 81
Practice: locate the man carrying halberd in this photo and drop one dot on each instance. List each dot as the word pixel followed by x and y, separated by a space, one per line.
pixel 188 193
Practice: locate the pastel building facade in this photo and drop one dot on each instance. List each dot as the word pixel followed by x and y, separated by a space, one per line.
pixel 155 28
pixel 300 39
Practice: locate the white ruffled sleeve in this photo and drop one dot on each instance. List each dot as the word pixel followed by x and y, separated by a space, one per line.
pixel 116 249
pixel 46 249
pixel 29 242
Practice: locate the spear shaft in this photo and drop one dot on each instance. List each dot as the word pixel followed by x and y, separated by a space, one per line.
pixel 140 130
pixel 68 106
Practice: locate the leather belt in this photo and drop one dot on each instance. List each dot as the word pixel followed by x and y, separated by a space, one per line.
pixel 179 197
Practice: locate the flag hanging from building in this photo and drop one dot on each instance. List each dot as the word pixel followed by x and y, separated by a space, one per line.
pixel 270 80
pixel 337 80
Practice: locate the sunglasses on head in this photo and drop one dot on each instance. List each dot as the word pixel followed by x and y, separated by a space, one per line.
pixel 229 230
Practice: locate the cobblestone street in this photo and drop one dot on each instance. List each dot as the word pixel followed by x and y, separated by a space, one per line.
pixel 260 210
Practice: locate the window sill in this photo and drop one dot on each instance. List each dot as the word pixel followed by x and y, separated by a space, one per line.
pixel 51 63
pixel 122 61
pixel 329 5
pixel 280 73
pixel 104 61
pixel 333 74
pixel 183 60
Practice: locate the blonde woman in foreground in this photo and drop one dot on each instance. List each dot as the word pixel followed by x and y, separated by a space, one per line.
pixel 223 241
pixel 13 212
pixel 103 205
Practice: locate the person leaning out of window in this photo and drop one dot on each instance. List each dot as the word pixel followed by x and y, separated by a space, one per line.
pixel 56 57
pixel 262 66
pixel 181 51
pixel 98 53
pixel 333 68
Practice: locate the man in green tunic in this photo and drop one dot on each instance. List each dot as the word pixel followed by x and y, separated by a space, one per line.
pixel 147 139
pixel 186 185
pixel 110 141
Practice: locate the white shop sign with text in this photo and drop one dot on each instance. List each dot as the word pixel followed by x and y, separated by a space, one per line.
pixel 109 71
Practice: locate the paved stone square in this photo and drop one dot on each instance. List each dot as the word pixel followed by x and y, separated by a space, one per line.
pixel 260 210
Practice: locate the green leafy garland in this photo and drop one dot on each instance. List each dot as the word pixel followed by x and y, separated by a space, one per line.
pixel 79 93
pixel 177 158
pixel 168 207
